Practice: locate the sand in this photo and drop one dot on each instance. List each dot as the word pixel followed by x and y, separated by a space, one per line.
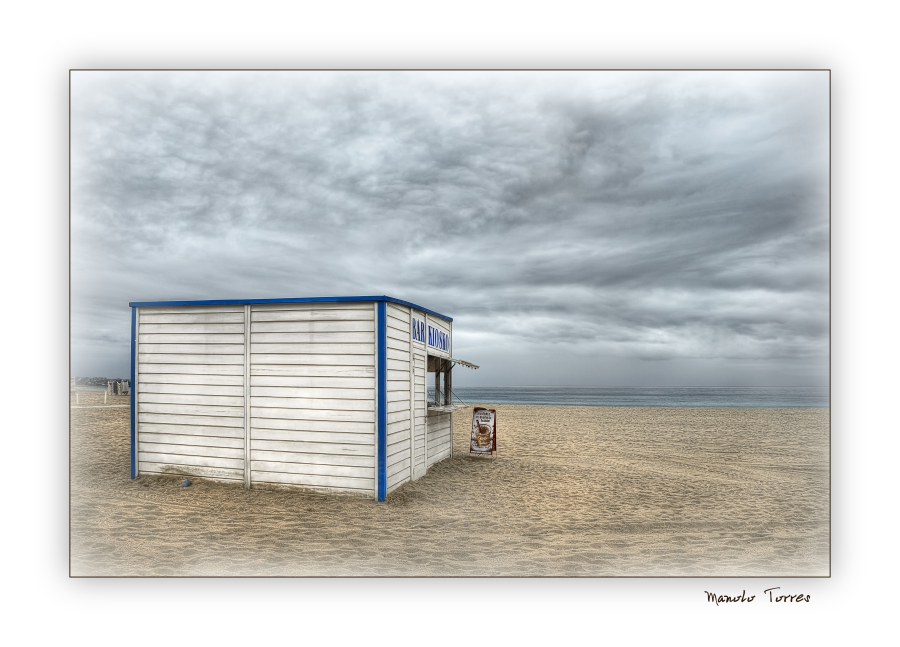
pixel 574 491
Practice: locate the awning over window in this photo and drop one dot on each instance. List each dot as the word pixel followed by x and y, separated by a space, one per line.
pixel 453 360
pixel 438 364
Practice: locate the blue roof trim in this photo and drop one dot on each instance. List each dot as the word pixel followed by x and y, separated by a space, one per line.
pixel 242 302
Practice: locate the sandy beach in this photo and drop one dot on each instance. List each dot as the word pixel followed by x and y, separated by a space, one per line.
pixel 573 491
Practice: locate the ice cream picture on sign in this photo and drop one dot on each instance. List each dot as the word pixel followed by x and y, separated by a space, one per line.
pixel 484 431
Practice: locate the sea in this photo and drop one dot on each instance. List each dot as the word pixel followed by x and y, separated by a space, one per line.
pixel 637 396
pixel 687 396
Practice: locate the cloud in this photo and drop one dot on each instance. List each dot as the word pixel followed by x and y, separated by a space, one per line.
pixel 630 215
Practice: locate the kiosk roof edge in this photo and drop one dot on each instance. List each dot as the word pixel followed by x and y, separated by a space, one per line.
pixel 231 302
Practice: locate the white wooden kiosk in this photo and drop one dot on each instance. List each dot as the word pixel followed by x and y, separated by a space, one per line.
pixel 323 393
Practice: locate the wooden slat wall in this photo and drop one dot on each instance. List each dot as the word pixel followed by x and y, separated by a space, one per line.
pixel 398 377
pixel 419 370
pixel 190 391
pixel 439 426
pixel 312 396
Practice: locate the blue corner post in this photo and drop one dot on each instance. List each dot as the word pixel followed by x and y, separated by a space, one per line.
pixel 133 385
pixel 382 400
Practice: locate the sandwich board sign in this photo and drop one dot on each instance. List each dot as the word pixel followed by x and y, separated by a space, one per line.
pixel 484 431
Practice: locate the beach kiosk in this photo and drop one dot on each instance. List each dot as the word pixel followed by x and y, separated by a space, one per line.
pixel 325 393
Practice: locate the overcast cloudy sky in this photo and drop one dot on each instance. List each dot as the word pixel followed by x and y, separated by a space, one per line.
pixel 581 228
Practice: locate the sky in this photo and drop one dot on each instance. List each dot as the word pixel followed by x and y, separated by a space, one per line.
pixel 582 228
